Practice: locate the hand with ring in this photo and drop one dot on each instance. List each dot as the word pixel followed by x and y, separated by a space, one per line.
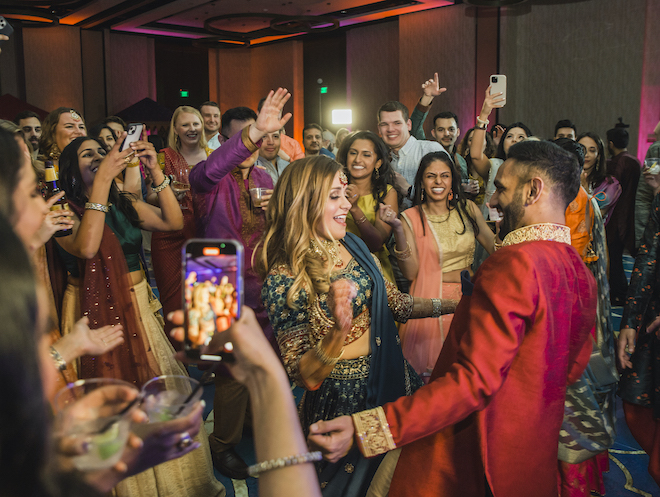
pixel 352 194
pixel 388 216
pixel 185 442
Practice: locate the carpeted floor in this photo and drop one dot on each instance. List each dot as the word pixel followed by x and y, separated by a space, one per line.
pixel 627 477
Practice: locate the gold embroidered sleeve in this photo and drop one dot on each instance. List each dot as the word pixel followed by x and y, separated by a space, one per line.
pixel 249 144
pixel 373 432
pixel 401 304
pixel 291 326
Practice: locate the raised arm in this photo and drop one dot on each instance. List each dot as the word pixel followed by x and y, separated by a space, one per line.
pixel 480 162
pixel 168 216
pixel 431 89
pixel 374 235
pixel 207 174
pixel 85 240
pixel 306 362
pixel 406 248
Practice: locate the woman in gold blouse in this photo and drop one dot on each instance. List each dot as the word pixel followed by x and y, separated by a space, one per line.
pixel 434 245
pixel 332 311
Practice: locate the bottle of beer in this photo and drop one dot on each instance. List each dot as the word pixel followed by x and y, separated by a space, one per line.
pixel 53 188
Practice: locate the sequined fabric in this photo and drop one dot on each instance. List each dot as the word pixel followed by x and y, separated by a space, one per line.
pixel 298 330
pixel 535 232
pixel 342 393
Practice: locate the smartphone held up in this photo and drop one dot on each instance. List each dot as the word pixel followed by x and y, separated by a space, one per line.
pixel 212 291
pixel 498 85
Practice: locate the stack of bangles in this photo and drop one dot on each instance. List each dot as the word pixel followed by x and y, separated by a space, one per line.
pixel 282 462
pixel 402 255
pixel 162 186
pixel 361 220
pixel 323 356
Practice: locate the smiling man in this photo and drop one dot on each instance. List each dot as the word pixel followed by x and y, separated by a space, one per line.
pixel 489 420
pixel 406 151
pixel 210 112
pixel 30 126
pixel 269 157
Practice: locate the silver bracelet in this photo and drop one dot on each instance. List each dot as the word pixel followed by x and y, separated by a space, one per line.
pixel 162 186
pixel 437 308
pixel 93 206
pixel 282 462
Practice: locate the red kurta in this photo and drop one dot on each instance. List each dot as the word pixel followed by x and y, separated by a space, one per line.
pixel 495 403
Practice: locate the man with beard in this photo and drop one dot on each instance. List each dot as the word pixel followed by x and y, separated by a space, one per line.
pixel 490 418
pixel 30 126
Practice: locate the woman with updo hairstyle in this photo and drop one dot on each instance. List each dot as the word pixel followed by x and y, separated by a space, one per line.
pixel 186 148
pixel 605 188
pixel 60 127
pixel 366 160
pixel 332 311
pixel 435 243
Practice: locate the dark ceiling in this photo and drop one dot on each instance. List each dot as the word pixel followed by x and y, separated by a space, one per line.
pixel 217 23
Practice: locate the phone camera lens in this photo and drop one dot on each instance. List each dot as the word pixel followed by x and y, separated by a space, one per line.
pixel 493 79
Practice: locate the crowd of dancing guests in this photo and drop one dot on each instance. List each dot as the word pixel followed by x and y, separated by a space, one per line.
pixel 360 253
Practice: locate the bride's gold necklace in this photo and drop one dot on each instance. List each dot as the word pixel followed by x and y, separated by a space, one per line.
pixel 332 247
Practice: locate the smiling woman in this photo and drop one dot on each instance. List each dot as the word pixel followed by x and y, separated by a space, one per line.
pixel 332 311
pixel 186 147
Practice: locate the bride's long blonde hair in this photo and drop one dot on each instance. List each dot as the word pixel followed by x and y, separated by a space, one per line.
pixel 293 213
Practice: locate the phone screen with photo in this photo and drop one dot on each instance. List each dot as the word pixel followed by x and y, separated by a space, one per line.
pixel 212 288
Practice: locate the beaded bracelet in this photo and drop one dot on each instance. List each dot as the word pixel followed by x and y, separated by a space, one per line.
pixel 282 462
pixel 60 363
pixel 323 356
pixel 162 186
pixel 404 254
pixel 437 308
pixel 93 206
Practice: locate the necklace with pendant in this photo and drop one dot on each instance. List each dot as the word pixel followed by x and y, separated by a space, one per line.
pixel 332 247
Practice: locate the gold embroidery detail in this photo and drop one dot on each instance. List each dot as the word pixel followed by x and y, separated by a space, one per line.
pixel 536 232
pixel 351 369
pixel 373 432
pixel 349 468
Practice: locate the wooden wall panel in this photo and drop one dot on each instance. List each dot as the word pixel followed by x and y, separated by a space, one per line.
pixel 93 76
pixel 53 67
pixel 441 40
pixel 241 77
pixel 580 61
pixel 372 71
pixel 130 70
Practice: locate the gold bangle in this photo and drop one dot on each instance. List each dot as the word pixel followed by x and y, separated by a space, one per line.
pixel 323 356
pixel 404 254
pixel 361 220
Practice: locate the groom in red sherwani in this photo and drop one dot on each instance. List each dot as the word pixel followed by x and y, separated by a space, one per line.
pixel 489 420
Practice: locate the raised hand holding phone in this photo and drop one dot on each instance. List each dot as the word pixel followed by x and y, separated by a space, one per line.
pixel 212 292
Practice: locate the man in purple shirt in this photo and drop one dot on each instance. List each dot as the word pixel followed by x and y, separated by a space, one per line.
pixel 226 178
